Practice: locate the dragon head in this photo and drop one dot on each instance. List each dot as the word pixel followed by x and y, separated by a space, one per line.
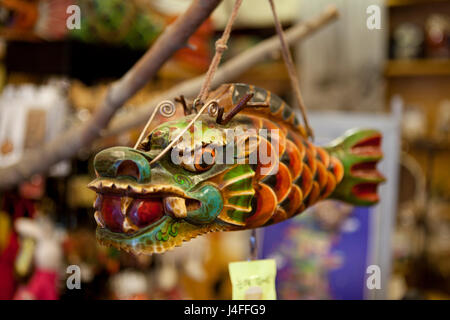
pixel 152 207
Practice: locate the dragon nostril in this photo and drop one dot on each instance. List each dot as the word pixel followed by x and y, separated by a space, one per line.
pixel 128 168
pixel 122 162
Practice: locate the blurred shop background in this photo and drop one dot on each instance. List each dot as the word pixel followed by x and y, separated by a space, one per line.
pixel 396 78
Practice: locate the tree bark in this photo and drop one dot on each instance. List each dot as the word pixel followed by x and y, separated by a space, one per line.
pixel 67 145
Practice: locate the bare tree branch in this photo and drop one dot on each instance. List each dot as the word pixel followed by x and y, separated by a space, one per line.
pixel 174 37
pixel 35 161
pixel 227 72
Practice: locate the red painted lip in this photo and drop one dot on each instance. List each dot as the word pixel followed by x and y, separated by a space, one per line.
pixel 370 146
pixel 140 212
pixel 367 170
pixel 111 213
pixel 146 211
pixel 366 191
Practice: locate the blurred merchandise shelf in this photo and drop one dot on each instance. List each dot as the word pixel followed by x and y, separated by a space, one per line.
pixel 18 35
pixel 84 61
pixel 271 75
pixel 399 3
pixel 434 145
pixel 422 67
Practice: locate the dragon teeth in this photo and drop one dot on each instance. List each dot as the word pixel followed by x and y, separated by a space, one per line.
pixel 99 219
pixel 98 201
pixel 125 202
pixel 106 184
pixel 175 206
pixel 128 226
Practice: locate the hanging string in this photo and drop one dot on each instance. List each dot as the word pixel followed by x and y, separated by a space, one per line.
pixel 287 57
pixel 253 245
pixel 221 46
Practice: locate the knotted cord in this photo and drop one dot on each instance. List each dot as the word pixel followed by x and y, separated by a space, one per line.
pixel 287 57
pixel 221 46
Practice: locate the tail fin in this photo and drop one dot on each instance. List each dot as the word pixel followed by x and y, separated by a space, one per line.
pixel 359 151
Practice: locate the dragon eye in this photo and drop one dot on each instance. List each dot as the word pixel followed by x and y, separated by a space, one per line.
pixel 204 159
pixel 200 160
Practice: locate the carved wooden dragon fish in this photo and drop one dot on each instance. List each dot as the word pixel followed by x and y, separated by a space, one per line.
pixel 146 207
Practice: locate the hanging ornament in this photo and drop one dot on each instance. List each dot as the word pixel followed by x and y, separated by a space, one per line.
pixel 149 200
pixel 239 159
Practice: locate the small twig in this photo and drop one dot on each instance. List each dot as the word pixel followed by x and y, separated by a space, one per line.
pixel 243 103
pixel 186 109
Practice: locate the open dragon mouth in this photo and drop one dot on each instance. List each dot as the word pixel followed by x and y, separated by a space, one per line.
pixel 127 208
pixel 366 171
pixel 366 191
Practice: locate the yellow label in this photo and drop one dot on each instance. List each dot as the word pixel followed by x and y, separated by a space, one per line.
pixel 253 280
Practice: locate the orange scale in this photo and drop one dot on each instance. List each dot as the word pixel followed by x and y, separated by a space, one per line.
pixel 295 159
pixel 279 215
pixel 257 121
pixel 302 208
pixel 295 198
pixel 324 156
pixel 266 203
pixel 314 195
pixel 311 157
pixel 331 185
pixel 322 177
pixel 298 143
pixel 271 165
pixel 284 182
pixel 307 181
pixel 312 147
pixel 281 141
pixel 337 168
pixel 285 130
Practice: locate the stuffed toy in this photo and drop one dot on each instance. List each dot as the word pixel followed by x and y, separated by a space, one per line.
pixel 48 257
